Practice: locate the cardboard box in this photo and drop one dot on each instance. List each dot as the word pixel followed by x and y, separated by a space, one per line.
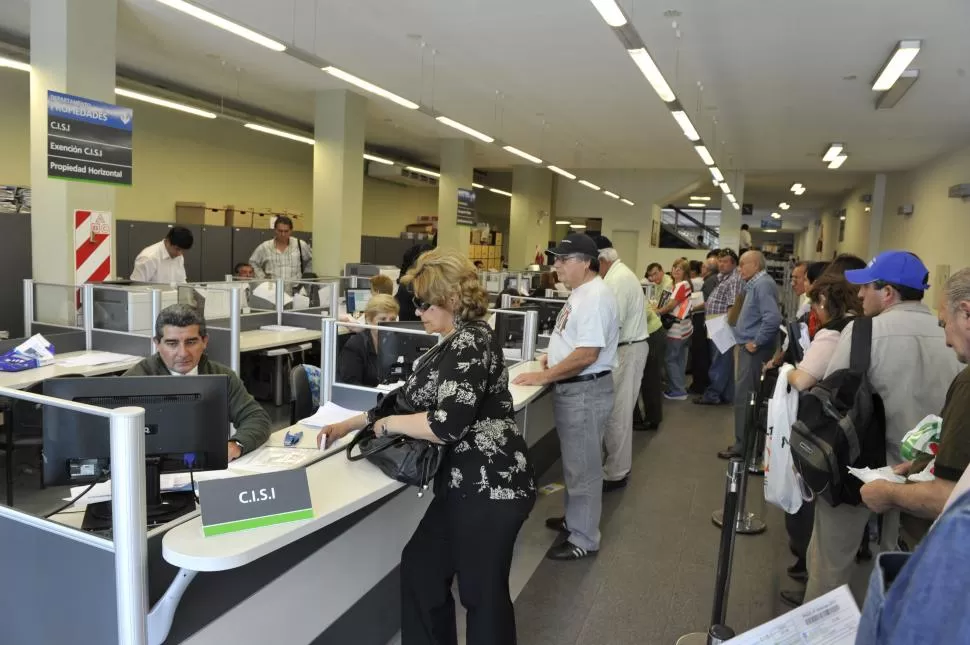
pixel 239 218
pixel 419 228
pixel 476 236
pixel 497 238
pixel 428 219
pixel 197 213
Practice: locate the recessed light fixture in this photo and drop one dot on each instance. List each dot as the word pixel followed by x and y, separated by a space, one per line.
pixel 725 188
pixel 222 23
pixel 609 194
pixel 834 151
pixel 775 216
pixel 689 130
pixel 563 222
pixel 699 198
pixel 697 205
pixel 784 206
pixel 796 187
pixel 704 155
pixel 718 177
pixel 461 127
pixel 279 133
pixel 900 59
pixel 577 226
pixel 370 87
pixel 652 74
pixel 560 171
pixel 474 185
pixel 172 105
pixel 610 11
pixel 837 162
pixel 841 218
pixel 376 159
pixel 589 184
pixel 14 64
pixel 868 209
pixel 501 192
pixel 523 154
pixel 627 202
pixel 423 171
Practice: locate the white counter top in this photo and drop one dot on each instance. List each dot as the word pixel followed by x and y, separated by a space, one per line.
pixel 523 395
pixel 257 339
pixel 26 378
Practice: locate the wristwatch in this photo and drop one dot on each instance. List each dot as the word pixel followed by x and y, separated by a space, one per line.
pixel 242 448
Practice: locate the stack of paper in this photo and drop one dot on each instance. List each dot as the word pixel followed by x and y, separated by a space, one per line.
pixel 94 358
pixel 101 492
pixel 281 328
pixel 329 414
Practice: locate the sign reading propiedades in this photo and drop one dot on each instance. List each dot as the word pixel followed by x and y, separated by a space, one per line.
pixel 243 503
pixel 466 207
pixel 88 140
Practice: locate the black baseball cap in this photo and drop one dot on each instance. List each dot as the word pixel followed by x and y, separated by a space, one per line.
pixel 603 242
pixel 576 243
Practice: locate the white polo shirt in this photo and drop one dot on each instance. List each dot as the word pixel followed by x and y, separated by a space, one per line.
pixel 630 307
pixel 589 319
pixel 154 264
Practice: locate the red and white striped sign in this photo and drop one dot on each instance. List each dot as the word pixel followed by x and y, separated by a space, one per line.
pixel 92 246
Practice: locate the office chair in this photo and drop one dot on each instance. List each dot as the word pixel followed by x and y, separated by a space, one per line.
pixel 301 395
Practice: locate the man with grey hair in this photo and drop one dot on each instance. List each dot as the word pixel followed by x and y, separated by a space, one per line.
pixel 923 501
pixel 631 357
pixel 756 332
pixel 180 341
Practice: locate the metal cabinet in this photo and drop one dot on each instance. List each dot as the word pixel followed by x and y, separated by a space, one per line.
pixel 15 263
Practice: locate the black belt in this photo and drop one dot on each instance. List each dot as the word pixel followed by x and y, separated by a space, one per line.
pixel 584 377
pixel 631 342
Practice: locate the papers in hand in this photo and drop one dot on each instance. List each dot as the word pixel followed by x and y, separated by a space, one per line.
pixel 832 619
pixel 869 475
pixel 90 359
pixel 720 332
pixel 328 414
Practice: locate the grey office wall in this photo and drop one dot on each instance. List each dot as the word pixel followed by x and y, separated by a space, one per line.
pixel 385 250
pixel 245 241
pixel 15 265
pixel 216 257
pixel 142 234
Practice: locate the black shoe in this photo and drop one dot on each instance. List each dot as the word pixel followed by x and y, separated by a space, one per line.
pixel 798 573
pixel 648 425
pixel 610 485
pixel 793 598
pixel 702 401
pixel 729 453
pixel 568 551
pixel 557 524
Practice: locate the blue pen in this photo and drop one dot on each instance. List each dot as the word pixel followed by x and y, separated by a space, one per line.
pixel 291 439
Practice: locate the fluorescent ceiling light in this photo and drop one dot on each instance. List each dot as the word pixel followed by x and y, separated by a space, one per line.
pixel 627 202
pixel 689 130
pixel 609 194
pixel 560 171
pixel 704 155
pixel 610 11
pixel 589 184
pixel 718 177
pixel 736 205
pixel 771 230
pixel 775 216
pixel 902 56
pixel 725 188
pixel 837 162
pixel 652 73
pixel 698 198
pixel 279 133
pixel 222 23
pixel 841 218
pixel 423 171
pixel 501 192
pixel 523 154
pixel 370 87
pixel 732 198
pixel 796 187
pixel 562 222
pixel 464 128
pixel 172 105
pixel 577 226
pixel 376 159
pixel 14 64
pixel 697 205
pixel 784 206
pixel 800 191
pixel 474 185
pixel 894 95
pixel 834 151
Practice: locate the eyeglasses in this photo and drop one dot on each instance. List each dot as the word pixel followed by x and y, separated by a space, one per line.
pixel 420 305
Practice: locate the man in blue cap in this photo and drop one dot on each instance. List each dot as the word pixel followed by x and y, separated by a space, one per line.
pixel 910 369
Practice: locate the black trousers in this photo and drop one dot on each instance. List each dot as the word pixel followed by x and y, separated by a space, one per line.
pixel 473 539
pixel 700 356
pixel 799 527
pixel 651 386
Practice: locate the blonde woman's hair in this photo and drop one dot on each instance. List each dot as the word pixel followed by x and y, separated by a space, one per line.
pixel 441 276
pixel 381 303
pixel 381 283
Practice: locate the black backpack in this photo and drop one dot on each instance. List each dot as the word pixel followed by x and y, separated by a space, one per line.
pixel 841 422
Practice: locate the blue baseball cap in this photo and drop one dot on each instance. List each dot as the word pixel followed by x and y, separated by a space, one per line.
pixel 901 268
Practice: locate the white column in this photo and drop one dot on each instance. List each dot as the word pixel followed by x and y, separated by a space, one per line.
pixel 876 211
pixel 457 170
pixel 730 237
pixel 338 180
pixel 72 50
pixel 530 215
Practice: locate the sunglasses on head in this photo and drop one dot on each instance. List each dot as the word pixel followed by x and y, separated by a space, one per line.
pixel 420 305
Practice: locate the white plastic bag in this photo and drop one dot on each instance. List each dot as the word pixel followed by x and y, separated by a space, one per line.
pixel 782 487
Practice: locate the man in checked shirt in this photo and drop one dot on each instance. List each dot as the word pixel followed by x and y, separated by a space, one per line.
pixel 284 256
pixel 729 286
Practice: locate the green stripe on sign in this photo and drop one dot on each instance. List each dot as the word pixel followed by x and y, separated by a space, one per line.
pixel 256 522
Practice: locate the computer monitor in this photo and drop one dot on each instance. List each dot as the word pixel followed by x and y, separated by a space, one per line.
pixel 396 353
pixel 548 313
pixel 357 300
pixel 509 327
pixel 186 429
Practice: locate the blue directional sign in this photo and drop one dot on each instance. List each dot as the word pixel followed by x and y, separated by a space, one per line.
pixel 88 140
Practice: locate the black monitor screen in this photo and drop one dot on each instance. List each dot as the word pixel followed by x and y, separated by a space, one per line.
pixel 396 353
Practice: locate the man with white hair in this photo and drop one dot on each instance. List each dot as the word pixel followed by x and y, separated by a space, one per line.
pixel 631 356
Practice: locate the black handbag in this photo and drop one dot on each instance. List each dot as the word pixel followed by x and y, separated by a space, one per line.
pixel 411 461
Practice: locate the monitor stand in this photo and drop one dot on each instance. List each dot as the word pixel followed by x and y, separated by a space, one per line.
pixel 162 507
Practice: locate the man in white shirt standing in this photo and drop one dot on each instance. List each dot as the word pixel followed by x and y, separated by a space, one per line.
pixel 580 363
pixel 162 262
pixel 631 357
pixel 284 256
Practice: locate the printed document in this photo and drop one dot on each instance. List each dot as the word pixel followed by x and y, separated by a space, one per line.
pixel 719 331
pixel 328 414
pixel 832 619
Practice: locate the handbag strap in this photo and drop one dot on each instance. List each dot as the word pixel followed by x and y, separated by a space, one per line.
pixel 377 446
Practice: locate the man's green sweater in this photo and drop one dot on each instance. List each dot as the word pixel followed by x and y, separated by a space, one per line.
pixel 249 418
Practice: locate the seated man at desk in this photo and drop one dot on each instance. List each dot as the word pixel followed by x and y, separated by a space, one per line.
pixel 181 340
pixel 244 271
pixel 357 364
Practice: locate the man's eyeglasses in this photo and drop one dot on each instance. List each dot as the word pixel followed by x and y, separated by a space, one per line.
pixel 420 305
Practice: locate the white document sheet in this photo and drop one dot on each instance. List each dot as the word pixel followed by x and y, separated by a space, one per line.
pixel 101 492
pixel 719 331
pixel 281 328
pixel 832 619
pixel 870 475
pixel 272 458
pixel 93 358
pixel 328 414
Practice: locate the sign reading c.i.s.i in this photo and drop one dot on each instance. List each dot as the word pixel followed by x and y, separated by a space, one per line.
pixel 88 140
pixel 242 503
